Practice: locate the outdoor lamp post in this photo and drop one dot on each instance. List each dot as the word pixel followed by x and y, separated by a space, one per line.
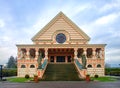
pixel 1 72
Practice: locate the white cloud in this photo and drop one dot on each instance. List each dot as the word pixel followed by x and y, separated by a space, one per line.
pixel 108 6
pixel 5 53
pixel 107 19
pixel 98 26
pixel 2 23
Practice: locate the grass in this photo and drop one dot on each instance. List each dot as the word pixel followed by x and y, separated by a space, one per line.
pixel 19 79
pixel 104 79
pixel 100 79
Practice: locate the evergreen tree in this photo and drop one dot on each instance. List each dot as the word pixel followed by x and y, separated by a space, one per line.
pixel 11 62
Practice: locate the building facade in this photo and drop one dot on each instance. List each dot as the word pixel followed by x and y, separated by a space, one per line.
pixel 61 41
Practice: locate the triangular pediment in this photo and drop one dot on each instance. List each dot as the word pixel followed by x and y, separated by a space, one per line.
pixel 60 23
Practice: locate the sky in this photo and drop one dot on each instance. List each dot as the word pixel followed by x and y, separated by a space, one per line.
pixel 20 20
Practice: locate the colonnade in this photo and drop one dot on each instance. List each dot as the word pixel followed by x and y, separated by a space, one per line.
pixel 33 53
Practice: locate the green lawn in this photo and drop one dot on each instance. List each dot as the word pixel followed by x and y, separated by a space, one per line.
pixel 100 79
pixel 104 79
pixel 18 79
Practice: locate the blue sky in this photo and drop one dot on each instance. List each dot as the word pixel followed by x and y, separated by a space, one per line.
pixel 20 20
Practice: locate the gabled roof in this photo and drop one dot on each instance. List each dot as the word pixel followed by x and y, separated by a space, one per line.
pixel 60 14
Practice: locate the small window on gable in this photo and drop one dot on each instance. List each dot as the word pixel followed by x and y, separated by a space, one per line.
pixel 23 66
pixel 32 66
pixel 89 66
pixel 98 66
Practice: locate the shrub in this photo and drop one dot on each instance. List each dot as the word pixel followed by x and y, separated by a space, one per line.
pixel 96 76
pixel 27 76
pixel 9 72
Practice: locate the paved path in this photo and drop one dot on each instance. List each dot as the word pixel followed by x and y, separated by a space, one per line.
pixel 62 84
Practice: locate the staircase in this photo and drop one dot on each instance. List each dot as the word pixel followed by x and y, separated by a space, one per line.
pixel 61 72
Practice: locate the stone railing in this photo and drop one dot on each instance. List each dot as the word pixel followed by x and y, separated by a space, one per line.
pixel 79 65
pixel 81 71
pixel 41 71
pixel 44 64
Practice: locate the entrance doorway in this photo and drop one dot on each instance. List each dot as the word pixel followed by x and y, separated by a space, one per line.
pixel 69 58
pixel 60 59
pixel 52 59
pixel 60 54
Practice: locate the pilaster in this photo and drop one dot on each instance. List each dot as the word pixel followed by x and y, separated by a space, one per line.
pixel 75 53
pixel 18 53
pixel 28 53
pixel 85 51
pixel 103 53
pixel 46 53
pixel 36 53
pixel 94 53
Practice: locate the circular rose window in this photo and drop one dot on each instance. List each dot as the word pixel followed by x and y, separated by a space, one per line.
pixel 60 38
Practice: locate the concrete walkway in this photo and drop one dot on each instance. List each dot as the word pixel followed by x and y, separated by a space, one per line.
pixel 62 84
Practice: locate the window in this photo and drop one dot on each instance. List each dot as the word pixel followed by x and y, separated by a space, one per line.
pixel 98 66
pixel 23 66
pixel 32 66
pixel 89 66
pixel 60 38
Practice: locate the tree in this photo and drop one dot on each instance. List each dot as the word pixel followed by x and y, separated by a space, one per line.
pixel 11 62
pixel 107 65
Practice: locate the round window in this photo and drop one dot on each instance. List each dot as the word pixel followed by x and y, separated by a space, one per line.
pixel 60 38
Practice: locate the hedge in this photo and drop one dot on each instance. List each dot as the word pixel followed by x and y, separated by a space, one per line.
pixel 9 72
pixel 112 71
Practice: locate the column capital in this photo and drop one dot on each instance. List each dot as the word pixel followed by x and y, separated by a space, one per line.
pixel 36 49
pixel 93 49
pixel 85 48
pixel 27 49
pixel 75 53
pixel 46 53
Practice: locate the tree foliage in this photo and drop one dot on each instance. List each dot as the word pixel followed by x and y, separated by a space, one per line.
pixel 11 62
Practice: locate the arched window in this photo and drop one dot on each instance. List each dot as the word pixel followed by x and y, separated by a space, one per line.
pixel 89 66
pixel 23 66
pixel 98 66
pixel 32 66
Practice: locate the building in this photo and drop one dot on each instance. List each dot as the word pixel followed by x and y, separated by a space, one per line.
pixel 61 41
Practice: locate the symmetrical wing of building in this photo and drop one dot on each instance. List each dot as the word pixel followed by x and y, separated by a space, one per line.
pixel 61 41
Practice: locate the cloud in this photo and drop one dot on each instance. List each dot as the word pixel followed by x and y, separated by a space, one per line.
pixel 110 6
pixel 100 22
pixel 107 19
pixel 2 23
pixel 6 52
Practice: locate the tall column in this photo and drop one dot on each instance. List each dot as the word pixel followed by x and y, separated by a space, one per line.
pixel 85 51
pixel 94 53
pixel 55 58
pixel 103 53
pixel 28 53
pixel 18 53
pixel 66 59
pixel 75 53
pixel 36 53
pixel 46 53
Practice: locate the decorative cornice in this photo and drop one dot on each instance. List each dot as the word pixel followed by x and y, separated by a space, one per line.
pixel 61 45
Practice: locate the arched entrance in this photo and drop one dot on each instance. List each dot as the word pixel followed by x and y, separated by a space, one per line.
pixel 60 54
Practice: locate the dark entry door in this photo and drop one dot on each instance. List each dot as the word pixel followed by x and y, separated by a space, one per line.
pixel 52 59
pixel 69 58
pixel 60 58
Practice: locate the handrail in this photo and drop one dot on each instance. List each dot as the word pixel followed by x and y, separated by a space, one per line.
pixel 44 64
pixel 79 65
